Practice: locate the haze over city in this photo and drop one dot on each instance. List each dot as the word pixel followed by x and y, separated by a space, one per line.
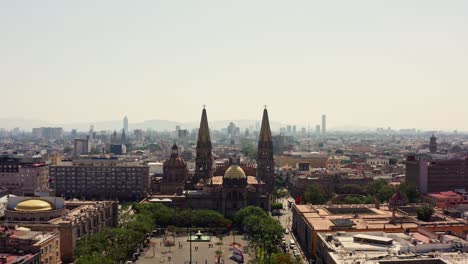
pixel 248 132
pixel 364 63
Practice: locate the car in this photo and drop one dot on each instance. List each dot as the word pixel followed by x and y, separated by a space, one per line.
pixel 276 213
pixel 286 231
pixel 296 253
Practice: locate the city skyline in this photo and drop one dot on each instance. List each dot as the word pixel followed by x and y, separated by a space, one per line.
pixel 400 64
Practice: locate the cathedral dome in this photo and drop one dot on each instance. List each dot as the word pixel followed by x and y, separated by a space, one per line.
pixel 175 161
pixel 34 205
pixel 235 172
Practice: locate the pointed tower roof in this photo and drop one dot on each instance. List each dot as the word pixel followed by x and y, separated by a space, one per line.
pixel 204 130
pixel 265 132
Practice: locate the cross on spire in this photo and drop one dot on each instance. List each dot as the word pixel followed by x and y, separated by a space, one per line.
pixel 265 106
pixel 204 106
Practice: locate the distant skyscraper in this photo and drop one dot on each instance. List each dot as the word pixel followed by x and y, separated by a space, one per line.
pixel 81 146
pixel 324 124
pixel 433 144
pixel 317 129
pixel 125 125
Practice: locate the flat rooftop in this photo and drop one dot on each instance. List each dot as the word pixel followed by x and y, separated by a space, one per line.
pixel 324 217
pixel 399 248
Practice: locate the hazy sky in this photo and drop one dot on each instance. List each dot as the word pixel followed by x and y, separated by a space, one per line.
pixel 369 63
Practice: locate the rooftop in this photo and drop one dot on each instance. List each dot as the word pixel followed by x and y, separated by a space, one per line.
pixel 381 247
pixel 330 217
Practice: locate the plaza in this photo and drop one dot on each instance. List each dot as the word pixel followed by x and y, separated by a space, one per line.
pixel 202 252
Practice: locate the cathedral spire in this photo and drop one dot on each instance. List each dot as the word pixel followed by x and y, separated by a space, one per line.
pixel 265 160
pixel 265 131
pixel 204 159
pixel 204 131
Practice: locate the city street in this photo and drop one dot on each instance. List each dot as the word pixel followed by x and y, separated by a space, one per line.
pixel 286 221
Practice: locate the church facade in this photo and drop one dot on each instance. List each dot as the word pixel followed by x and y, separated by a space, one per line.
pixel 230 191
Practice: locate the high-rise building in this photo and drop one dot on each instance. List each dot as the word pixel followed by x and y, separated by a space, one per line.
pixel 48 133
pixel 118 149
pixel 433 144
pixel 23 175
pixel 436 175
pixel 125 125
pixel 101 179
pixel 324 124
pixel 317 129
pixel 82 146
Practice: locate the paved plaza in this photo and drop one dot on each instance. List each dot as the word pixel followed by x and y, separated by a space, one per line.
pixel 201 252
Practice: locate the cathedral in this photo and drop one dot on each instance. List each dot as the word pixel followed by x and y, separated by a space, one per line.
pixel 233 188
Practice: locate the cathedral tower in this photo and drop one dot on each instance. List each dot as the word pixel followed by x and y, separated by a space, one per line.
pixel 265 161
pixel 204 159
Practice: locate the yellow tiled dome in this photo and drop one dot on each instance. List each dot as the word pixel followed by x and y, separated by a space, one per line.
pixel 34 205
pixel 234 172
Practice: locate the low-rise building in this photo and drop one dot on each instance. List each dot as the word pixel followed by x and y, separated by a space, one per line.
pixel 15 243
pixel 446 200
pixel 72 219
pixel 381 247
pixel 310 220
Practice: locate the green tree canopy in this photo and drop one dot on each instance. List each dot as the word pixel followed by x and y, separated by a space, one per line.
pixel 277 206
pixel 315 194
pixel 425 213
pixel 410 191
pixel 248 211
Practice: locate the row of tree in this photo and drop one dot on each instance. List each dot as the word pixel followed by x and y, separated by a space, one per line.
pixel 117 244
pixel 377 189
pixel 265 234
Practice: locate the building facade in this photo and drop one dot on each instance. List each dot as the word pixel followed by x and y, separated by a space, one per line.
pixel 227 189
pixel 29 246
pixel 77 219
pixel 101 179
pixel 431 175
pixel 23 175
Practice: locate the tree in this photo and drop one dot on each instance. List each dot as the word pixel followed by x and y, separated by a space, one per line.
pixel 374 186
pixel 410 191
pixel 425 213
pixel 283 258
pixel 248 211
pixel 93 259
pixel 353 189
pixel 354 199
pixel 315 194
pixel 277 206
pixel 380 189
pixel 385 193
pixel 248 149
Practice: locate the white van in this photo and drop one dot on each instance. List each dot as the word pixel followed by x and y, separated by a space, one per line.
pixel 292 244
